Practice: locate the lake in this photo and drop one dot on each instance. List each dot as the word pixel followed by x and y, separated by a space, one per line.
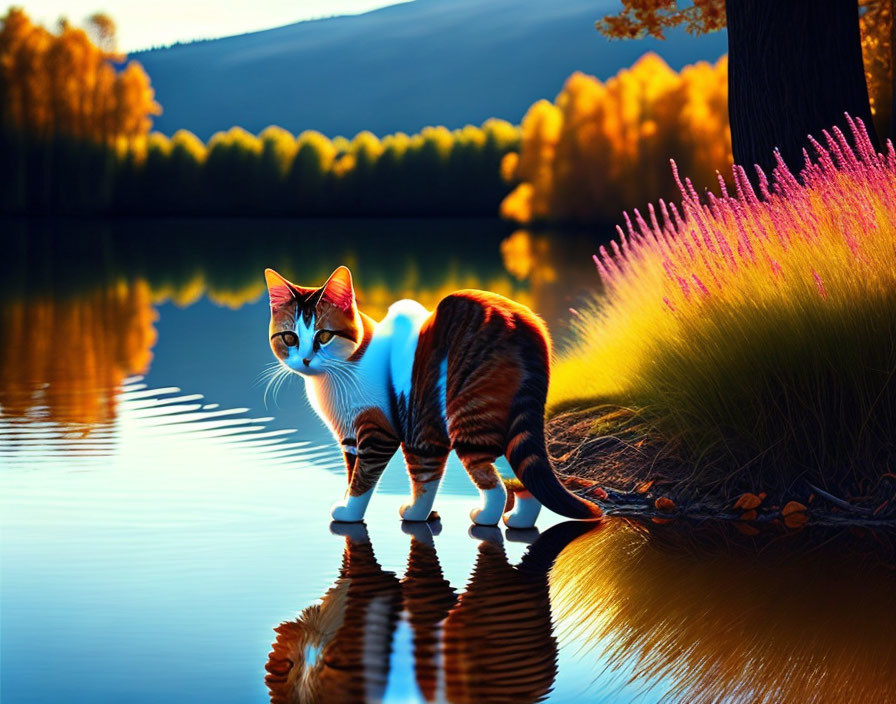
pixel 165 513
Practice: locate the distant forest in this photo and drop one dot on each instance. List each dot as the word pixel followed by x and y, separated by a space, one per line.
pixel 75 138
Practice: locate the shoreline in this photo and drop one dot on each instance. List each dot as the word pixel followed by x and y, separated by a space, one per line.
pixel 644 480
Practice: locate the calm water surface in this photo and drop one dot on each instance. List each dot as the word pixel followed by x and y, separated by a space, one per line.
pixel 162 512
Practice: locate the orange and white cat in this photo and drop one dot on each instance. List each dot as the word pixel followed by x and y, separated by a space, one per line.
pixel 472 377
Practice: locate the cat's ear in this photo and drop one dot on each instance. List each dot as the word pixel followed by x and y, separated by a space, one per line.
pixel 280 290
pixel 338 290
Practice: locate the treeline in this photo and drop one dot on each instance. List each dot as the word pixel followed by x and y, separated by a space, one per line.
pixel 601 148
pixel 75 138
pixel 435 172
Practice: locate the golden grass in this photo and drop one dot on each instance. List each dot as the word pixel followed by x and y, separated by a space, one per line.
pixel 755 331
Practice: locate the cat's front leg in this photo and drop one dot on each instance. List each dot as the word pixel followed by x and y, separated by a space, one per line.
pixel 426 467
pixel 376 443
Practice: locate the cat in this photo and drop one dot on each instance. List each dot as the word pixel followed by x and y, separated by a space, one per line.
pixel 472 377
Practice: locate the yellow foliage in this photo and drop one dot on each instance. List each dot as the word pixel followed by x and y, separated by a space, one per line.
pixel 64 84
pixel 602 147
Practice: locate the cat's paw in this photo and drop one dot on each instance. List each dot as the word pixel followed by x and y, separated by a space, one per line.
pixel 482 517
pixel 410 512
pixel 518 522
pixel 345 514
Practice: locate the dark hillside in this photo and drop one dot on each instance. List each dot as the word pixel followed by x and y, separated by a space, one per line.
pixel 400 68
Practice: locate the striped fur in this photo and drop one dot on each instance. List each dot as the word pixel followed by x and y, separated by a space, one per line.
pixel 491 643
pixel 471 377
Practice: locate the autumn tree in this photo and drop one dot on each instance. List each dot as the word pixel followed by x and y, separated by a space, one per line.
pixel 795 66
pixel 65 84
pixel 602 147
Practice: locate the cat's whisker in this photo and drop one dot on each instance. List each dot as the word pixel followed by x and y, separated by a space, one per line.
pixel 274 383
pixel 267 373
pixel 284 377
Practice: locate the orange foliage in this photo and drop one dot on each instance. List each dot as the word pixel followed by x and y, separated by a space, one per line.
pixel 748 502
pixel 792 507
pixel 664 503
pixel 604 147
pixel 641 18
pixel 71 354
pixel 65 84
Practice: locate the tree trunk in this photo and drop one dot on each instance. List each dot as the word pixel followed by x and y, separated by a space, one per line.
pixel 794 68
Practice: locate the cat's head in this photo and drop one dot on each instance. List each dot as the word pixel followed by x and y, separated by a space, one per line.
pixel 314 329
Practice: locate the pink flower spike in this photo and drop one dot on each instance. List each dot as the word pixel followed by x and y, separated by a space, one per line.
pixel 700 287
pixel 722 185
pixel 819 284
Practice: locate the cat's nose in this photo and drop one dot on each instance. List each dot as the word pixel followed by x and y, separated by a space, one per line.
pixel 306 361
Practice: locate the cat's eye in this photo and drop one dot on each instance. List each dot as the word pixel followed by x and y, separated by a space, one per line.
pixel 290 339
pixel 324 336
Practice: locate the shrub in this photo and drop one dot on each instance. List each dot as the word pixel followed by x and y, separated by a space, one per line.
pixel 755 331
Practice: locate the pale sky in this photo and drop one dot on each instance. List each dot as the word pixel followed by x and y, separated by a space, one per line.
pixel 143 24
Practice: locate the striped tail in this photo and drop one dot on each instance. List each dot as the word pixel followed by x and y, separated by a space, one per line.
pixel 526 449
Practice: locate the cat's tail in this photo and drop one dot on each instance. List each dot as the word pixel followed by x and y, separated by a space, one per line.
pixel 526 449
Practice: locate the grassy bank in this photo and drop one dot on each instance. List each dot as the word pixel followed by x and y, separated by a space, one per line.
pixel 747 342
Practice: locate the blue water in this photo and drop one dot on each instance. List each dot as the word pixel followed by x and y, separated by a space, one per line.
pixel 156 528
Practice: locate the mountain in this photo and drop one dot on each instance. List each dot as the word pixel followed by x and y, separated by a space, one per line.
pixel 399 68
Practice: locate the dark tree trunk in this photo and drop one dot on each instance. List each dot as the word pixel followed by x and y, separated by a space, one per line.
pixel 794 68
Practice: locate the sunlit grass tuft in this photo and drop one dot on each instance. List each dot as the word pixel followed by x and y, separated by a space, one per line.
pixel 755 329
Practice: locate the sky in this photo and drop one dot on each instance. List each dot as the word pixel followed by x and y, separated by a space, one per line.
pixel 145 24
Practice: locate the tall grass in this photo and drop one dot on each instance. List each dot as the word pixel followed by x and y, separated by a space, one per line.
pixel 755 330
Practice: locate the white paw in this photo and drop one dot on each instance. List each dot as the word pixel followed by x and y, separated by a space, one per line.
pixel 345 514
pixel 481 517
pixel 514 520
pixel 410 512
pixel 525 512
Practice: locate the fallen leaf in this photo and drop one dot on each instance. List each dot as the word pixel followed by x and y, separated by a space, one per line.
pixel 796 520
pixel 664 504
pixel 748 501
pixel 747 529
pixel 599 493
pixel 748 515
pixel 643 487
pixel 661 521
pixel 792 507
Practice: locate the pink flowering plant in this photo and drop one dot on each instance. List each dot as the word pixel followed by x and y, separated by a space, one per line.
pixel 755 330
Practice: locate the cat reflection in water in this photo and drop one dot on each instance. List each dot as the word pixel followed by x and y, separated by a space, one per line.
pixel 472 377
pixel 492 643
